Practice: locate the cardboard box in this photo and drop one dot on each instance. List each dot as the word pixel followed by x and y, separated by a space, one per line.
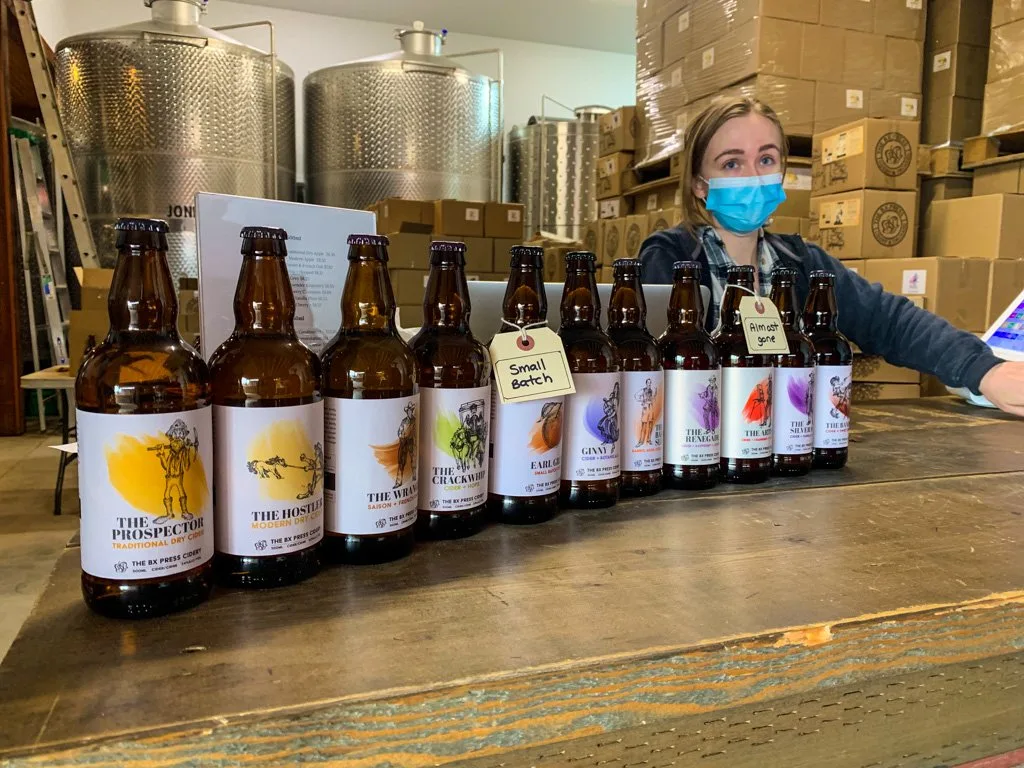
pixel 860 55
pixel 409 250
pixel 479 254
pixel 903 64
pixel 615 207
pixel 848 14
pixel 957 21
pixel 667 195
pixel 960 70
pixel 554 263
pixel 613 240
pixel 636 233
pixel 410 315
pixel 605 275
pixel 651 13
pixel 618 131
pixel 1006 53
pixel 615 175
pixel 792 100
pixel 820 48
pixel 648 54
pixel 951 119
pixel 866 224
pixel 591 238
pixel 457 217
pixel 395 214
pixel 784 225
pixel 408 285
pixel 856 266
pixel 188 313
pixel 1003 108
pixel 677 36
pixel 1006 11
pixel 1005 282
pixel 666 218
pixel 1003 178
pixel 865 392
pixel 894 105
pixel 503 219
pixel 986 227
pixel 712 20
pixel 805 228
pixel 943 188
pixel 89 325
pixel 797 185
pixel 867 154
pixel 836 105
pixel 874 368
pixel 900 18
pixel 502 246
pixel 951 288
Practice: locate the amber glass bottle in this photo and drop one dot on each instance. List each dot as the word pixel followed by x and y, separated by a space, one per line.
pixel 455 402
pixel 145 444
pixel 693 386
pixel 591 462
pixel 746 390
pixel 793 384
pixel 643 382
pixel 526 438
pixel 833 376
pixel 371 418
pixel 269 421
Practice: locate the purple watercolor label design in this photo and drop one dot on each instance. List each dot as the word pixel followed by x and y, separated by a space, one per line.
pixel 602 417
pixel 799 391
pixel 705 406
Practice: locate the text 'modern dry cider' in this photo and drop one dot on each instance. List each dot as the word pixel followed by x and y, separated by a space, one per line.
pixel 371 419
pixel 746 390
pixel 591 458
pixel 454 373
pixel 145 444
pixel 643 383
pixel 525 454
pixel 693 387
pixel 268 418
pixel 793 385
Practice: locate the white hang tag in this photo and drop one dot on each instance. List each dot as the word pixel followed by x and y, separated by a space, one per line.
pixel 762 326
pixel 532 369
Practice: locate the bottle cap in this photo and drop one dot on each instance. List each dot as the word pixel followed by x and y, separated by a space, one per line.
pixel 783 273
pixel 263 233
pixel 376 240
pixel 448 246
pixel 580 256
pixel 158 226
pixel 691 268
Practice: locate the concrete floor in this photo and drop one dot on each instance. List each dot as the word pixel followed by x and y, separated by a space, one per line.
pixel 31 538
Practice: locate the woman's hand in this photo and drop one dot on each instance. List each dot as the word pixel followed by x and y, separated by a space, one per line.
pixel 1004 387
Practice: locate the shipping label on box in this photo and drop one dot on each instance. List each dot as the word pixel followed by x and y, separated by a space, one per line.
pixel 614 207
pixel 456 217
pixel 618 131
pixel 503 219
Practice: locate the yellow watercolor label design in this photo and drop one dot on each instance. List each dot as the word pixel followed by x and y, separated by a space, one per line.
pixel 286 463
pixel 160 474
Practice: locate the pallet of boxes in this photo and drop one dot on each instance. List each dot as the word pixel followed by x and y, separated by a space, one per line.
pixel 615 177
pixel 489 230
pixel 863 212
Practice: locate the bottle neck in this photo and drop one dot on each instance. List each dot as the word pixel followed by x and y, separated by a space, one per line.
pixel 734 293
pixel 446 301
pixel 142 297
pixel 264 303
pixel 580 305
pixel 525 300
pixel 783 296
pixel 367 301
pixel 820 310
pixel 627 307
pixel 685 305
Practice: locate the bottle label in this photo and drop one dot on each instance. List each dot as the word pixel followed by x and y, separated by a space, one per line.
pixel 643 420
pixel 370 485
pixel 526 447
pixel 453 448
pixel 747 412
pixel 270 478
pixel 791 411
pixel 693 417
pixel 146 485
pixel 832 384
pixel 590 450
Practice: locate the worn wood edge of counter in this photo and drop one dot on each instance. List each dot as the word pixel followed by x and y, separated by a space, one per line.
pixel 493 714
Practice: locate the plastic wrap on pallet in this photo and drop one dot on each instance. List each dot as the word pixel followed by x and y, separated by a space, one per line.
pixel 1006 11
pixel 792 100
pixel 659 100
pixel 1003 108
pixel 651 14
pixel 1006 51
pixel 711 20
pixel 649 54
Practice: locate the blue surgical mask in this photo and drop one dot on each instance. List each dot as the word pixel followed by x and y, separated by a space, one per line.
pixel 742 204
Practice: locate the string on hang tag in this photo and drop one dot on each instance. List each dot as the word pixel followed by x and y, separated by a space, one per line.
pixel 758 303
pixel 762 326
pixel 525 342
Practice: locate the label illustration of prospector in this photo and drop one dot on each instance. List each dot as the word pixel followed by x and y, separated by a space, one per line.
pixel 176 456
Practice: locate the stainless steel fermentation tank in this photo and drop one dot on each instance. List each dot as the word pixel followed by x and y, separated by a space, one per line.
pixel 410 124
pixel 553 170
pixel 157 111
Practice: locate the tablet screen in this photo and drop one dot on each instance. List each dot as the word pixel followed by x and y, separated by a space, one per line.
pixel 1010 333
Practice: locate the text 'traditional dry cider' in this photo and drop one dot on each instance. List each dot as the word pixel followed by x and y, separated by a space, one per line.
pixel 746 390
pixel 526 438
pixel 793 385
pixel 455 403
pixel 268 420
pixel 834 375
pixel 591 469
pixel 371 418
pixel 693 386
pixel 145 443
pixel 643 382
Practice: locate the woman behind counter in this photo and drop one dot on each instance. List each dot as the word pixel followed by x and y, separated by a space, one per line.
pixel 734 159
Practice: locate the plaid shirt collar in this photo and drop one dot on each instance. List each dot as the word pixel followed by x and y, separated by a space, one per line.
pixel 719 263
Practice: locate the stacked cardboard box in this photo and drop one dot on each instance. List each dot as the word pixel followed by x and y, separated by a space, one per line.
pixel 874 370
pixel 616 147
pixel 89 325
pixel 956 63
pixel 818 64
pixel 864 189
pixel 1003 109
pixel 792 217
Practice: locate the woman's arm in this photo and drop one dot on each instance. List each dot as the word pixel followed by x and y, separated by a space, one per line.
pixel 881 323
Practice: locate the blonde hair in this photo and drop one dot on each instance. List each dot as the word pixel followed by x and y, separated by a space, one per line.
pixel 695 144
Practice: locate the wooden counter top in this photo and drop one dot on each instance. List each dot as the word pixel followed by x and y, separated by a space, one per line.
pixel 481 646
